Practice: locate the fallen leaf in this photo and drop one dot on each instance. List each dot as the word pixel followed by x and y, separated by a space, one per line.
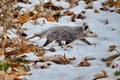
pixel 118 11
pixel 72 2
pixel 96 11
pixel 117 4
pixel 40 53
pixel 25 49
pixel 104 9
pixel 69 13
pixel 89 58
pixel 69 46
pixel 64 57
pixel 84 63
pixel 101 75
pixel 110 59
pixel 87 1
pixel 15 14
pixel 35 15
pixel 89 6
pixel 51 49
pixel 50 5
pixel 73 18
pixel 117 72
pixel 22 73
pixel 112 48
pixel 23 18
pixel 59 59
pixel 51 19
pixel 4 76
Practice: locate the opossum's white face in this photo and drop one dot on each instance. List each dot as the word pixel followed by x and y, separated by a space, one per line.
pixel 87 32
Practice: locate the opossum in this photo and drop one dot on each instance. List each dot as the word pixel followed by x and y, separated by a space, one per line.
pixel 67 34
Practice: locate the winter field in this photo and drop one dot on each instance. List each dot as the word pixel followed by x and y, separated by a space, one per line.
pixel 88 64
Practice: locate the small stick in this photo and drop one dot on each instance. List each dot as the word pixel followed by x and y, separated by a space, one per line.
pixel 31 37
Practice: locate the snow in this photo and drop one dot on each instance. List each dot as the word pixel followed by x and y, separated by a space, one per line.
pixel 30 56
pixel 63 4
pixel 79 8
pixel 106 37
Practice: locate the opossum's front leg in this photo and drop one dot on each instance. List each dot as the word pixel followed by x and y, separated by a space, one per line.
pixel 66 42
pixel 59 42
pixel 85 41
pixel 47 42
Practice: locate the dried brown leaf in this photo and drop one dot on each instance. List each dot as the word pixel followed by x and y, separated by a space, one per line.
pixel 51 49
pixel 51 19
pixel 112 48
pixel 111 58
pixel 87 1
pixel 101 75
pixel 50 5
pixel 35 15
pixel 69 46
pixel 4 76
pixel 69 13
pixel 89 58
pixel 117 4
pixel 59 59
pixel 96 11
pixel 72 2
pixel 22 73
pixel 84 63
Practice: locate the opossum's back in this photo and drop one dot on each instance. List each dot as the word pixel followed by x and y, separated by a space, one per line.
pixel 61 32
pixel 61 29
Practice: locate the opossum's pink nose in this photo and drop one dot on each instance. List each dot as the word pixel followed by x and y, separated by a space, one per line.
pixel 92 35
pixel 95 35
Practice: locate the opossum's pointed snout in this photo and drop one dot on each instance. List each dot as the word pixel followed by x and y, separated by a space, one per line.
pixel 86 24
pixel 92 35
pixel 95 35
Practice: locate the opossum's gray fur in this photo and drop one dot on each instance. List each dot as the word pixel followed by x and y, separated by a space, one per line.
pixel 68 34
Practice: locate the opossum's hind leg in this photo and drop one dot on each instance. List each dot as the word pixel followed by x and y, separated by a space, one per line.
pixel 85 41
pixel 47 42
pixel 59 42
pixel 68 42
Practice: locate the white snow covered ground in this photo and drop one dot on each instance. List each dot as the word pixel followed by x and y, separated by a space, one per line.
pixel 108 34
pixel 106 37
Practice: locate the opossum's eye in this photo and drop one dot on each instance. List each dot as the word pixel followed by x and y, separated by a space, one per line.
pixel 91 32
pixel 86 27
pixel 84 23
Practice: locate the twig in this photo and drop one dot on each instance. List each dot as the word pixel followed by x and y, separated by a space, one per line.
pixel 31 37
pixel 117 51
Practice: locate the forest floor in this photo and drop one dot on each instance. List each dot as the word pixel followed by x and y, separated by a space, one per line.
pixel 76 61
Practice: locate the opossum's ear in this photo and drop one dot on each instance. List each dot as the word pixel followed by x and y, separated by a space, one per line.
pixel 85 24
pixel 85 27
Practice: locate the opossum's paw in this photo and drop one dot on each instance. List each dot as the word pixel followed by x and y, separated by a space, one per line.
pixel 93 44
pixel 61 43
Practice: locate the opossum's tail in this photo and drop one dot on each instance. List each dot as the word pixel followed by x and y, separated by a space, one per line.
pixel 35 35
pixel 40 35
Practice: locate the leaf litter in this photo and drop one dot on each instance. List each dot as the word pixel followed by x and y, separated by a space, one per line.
pixel 15 66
